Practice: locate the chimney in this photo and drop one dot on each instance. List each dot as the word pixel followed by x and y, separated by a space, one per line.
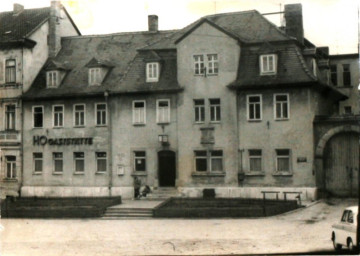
pixel 294 21
pixel 54 40
pixel 153 23
pixel 18 8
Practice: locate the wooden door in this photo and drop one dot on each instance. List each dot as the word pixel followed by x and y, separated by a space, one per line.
pixel 341 164
pixel 167 168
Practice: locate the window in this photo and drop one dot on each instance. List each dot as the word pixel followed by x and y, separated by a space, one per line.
pixel 140 161
pixel 152 72
pixel 199 106
pixel 213 64
pixel 345 216
pixel 314 67
pixel 333 74
pixel 139 114
pixel 38 114
pixel 101 162
pixel 282 160
pixel 79 162
pixel 255 160
pixel 10 71
pixel 94 76
pixel 347 110
pixel 163 111
pixel 52 78
pixel 38 162
pixel 100 114
pixel 58 162
pixel 216 161
pixel 10 162
pixel 268 64
pixel 254 103
pixel 201 161
pixel 281 106
pixel 215 113
pixel 350 217
pixel 199 65
pixel 79 115
pixel 58 116
pixel 10 117
pixel 346 75
pixel 211 161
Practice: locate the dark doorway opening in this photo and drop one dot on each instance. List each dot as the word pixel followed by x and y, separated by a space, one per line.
pixel 167 168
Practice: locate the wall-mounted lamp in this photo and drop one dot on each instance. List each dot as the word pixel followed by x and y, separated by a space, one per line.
pixel 164 139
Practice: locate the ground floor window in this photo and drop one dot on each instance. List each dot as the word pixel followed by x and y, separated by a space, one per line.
pixel 79 161
pixel 38 162
pixel 58 162
pixel 101 161
pixel 282 160
pixel 10 167
pixel 208 161
pixel 140 161
pixel 255 160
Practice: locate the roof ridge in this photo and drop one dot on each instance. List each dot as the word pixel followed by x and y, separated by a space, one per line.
pixel 276 27
pixel 118 34
pixel 228 13
pixel 27 9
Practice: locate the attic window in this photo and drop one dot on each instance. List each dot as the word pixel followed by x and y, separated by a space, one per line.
pixel 52 79
pixel 152 72
pixel 94 76
pixel 314 67
pixel 268 64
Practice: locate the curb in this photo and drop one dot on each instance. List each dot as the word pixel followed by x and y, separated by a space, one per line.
pixel 299 209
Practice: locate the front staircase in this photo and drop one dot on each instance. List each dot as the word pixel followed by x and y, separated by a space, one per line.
pixel 141 208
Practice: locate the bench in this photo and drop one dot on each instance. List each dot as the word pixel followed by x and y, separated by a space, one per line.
pixel 270 192
pixel 293 192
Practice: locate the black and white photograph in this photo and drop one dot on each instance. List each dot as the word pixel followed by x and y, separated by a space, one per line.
pixel 179 127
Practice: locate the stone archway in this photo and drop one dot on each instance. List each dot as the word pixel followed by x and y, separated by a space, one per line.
pixel 320 154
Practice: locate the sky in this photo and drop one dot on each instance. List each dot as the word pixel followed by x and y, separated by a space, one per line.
pixel 333 23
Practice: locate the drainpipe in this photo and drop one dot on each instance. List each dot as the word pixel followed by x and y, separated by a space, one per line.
pixel 106 95
pixel 22 123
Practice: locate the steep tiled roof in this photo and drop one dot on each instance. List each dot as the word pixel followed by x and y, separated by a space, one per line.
pixel 15 27
pixel 118 51
pixel 247 26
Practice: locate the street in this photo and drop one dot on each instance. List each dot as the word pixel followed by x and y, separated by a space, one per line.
pixel 307 229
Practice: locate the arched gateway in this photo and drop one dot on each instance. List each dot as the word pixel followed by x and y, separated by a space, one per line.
pixel 337 161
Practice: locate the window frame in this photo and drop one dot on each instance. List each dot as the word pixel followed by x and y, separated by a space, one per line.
pixel 260 156
pixel 217 109
pixel 248 108
pixel 36 158
pixel 168 119
pixel 10 69
pixel 282 103
pixel 289 157
pixel 334 75
pixel 54 116
pixel 215 64
pixel 106 115
pixel 139 158
pixel 134 111
pixel 209 157
pixel 199 109
pixel 347 73
pixel 94 76
pixel 77 158
pixel 52 82
pixel 199 65
pixel 13 174
pixel 264 72
pixel 33 117
pixel 152 76
pixel 55 158
pixel 201 157
pixel 76 111
pixel 6 117
pixel 97 158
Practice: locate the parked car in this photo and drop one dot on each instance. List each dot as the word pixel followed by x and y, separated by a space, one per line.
pixel 344 232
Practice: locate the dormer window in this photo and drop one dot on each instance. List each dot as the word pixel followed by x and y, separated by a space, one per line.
pixel 268 64
pixel 152 72
pixel 94 76
pixel 52 79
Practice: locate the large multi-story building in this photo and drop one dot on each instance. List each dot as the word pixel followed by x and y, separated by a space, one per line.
pixel 230 102
pixel 28 37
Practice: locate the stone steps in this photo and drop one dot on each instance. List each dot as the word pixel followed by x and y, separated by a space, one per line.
pixel 162 193
pixel 113 213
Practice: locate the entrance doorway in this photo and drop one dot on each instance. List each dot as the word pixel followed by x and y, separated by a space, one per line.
pixel 167 168
pixel 341 164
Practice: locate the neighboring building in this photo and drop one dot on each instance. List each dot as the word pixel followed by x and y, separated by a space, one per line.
pixel 230 102
pixel 28 37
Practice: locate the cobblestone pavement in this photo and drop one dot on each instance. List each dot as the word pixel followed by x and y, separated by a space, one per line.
pixel 307 229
